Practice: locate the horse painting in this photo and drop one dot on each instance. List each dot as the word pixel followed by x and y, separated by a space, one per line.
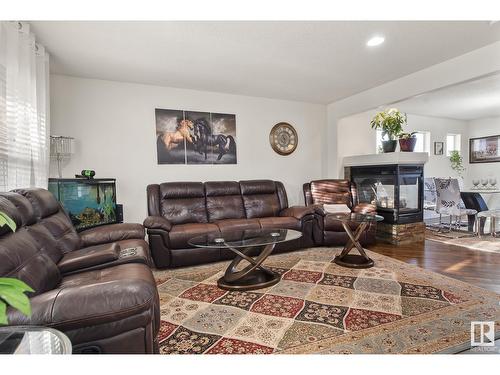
pixel 203 139
pixel 194 137
pixel 182 132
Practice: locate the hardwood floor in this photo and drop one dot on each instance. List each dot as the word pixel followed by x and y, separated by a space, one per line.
pixel 472 266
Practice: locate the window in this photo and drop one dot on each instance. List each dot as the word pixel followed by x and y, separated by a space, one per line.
pixel 453 143
pixel 423 141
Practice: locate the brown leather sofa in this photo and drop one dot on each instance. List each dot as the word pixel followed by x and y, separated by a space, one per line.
pixel 179 211
pixel 95 286
pixel 335 191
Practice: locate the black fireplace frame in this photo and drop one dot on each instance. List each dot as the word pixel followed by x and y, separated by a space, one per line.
pixel 397 171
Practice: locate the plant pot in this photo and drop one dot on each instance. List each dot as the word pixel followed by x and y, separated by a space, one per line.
pixel 408 144
pixel 389 146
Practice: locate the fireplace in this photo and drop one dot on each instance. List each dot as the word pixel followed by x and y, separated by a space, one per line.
pixel 393 182
pixel 396 190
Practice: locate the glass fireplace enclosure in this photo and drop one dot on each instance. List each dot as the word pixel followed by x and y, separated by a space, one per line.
pixel 396 190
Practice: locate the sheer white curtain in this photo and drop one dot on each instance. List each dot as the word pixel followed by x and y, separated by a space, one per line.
pixel 24 113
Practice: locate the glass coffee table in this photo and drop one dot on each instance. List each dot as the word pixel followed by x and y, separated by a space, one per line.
pixel 252 275
pixel 361 260
pixel 33 340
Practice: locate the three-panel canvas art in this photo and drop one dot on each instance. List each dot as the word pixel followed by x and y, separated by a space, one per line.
pixel 189 137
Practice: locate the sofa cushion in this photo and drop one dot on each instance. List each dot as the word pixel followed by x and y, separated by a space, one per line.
pixel 43 201
pixel 331 191
pixel 224 200
pixel 183 202
pixel 21 258
pixel 260 198
pixel 61 228
pixel 286 222
pixel 233 225
pixel 180 234
pixel 23 207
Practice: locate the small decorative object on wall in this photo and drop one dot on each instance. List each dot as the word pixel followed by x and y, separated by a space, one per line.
pixel 189 137
pixel 391 123
pixel 283 138
pixel 438 148
pixel 484 149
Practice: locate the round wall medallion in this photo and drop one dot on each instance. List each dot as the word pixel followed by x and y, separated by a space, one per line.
pixel 283 138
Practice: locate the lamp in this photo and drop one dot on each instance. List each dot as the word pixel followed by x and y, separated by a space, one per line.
pixel 61 149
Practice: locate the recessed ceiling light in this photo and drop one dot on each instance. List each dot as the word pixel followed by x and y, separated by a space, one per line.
pixel 375 41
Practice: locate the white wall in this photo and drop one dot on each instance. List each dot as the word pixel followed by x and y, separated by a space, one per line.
pixel 355 137
pixel 474 64
pixel 114 127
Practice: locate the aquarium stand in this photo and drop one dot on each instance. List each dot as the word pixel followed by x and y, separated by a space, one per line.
pixel 88 202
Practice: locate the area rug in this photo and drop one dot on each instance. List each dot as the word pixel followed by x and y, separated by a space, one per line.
pixel 320 307
pixel 485 243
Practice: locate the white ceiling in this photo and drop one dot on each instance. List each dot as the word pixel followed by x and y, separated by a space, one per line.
pixel 466 101
pixel 307 61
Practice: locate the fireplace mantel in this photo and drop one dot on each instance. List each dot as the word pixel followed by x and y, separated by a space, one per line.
pixel 401 158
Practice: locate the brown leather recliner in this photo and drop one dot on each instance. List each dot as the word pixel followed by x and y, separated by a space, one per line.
pixel 102 297
pixel 179 211
pixel 335 191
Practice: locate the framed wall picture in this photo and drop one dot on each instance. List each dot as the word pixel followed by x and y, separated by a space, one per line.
pixel 484 149
pixel 191 137
pixel 438 148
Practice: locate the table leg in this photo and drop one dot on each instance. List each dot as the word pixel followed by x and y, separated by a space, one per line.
pixel 253 275
pixel 351 260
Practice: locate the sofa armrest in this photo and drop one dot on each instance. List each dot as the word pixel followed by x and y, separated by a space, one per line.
pixel 89 257
pixel 365 208
pixel 111 233
pixel 68 307
pixel 298 212
pixel 157 222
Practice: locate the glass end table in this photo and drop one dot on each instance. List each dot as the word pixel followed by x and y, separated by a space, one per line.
pixel 33 340
pixel 345 259
pixel 253 275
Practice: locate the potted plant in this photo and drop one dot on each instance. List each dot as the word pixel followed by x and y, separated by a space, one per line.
pixel 12 291
pixel 407 141
pixel 391 123
pixel 457 161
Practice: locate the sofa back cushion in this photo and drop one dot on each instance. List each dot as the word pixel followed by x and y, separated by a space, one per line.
pixel 183 202
pixel 224 200
pixel 52 216
pixel 260 198
pixel 23 257
pixel 331 192
pixel 42 236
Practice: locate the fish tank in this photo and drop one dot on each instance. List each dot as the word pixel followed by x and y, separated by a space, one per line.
pixel 88 202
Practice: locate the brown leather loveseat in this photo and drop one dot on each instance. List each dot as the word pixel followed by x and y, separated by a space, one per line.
pixel 328 232
pixel 179 211
pixel 95 286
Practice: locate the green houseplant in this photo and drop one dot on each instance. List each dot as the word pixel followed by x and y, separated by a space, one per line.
pixel 391 123
pixel 456 161
pixel 12 291
pixel 407 141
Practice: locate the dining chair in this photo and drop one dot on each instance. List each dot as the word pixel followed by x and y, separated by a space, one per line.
pixel 448 203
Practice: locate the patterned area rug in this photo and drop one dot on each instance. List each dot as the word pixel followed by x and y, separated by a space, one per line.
pixel 320 307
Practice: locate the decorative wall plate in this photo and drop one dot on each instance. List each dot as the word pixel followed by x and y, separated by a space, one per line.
pixel 283 138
